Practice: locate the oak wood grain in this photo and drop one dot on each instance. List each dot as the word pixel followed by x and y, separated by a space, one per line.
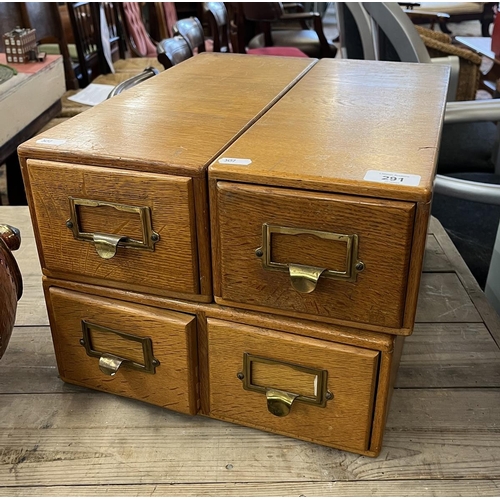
pixel 385 234
pixel 150 128
pixel 169 199
pixel 344 422
pixel 173 337
pixel 341 120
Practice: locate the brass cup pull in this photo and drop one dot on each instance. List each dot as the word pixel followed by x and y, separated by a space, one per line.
pixel 109 364
pixel 304 278
pixel 106 244
pixel 279 403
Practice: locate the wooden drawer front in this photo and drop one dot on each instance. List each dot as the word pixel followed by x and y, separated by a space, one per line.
pixel 313 369
pixel 91 335
pixel 320 231
pixel 142 207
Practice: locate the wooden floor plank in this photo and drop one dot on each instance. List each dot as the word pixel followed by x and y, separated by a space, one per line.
pixel 421 488
pixel 83 439
pixel 443 299
pixel 449 355
pixel 29 364
pixel 435 259
pixel 488 314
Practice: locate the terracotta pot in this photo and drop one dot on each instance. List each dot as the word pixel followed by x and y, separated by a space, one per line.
pixel 11 284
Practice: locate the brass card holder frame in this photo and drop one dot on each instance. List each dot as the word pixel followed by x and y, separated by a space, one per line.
pixel 305 278
pixel 110 363
pixel 279 401
pixel 106 244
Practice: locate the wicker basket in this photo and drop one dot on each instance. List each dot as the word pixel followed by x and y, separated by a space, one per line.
pixel 439 45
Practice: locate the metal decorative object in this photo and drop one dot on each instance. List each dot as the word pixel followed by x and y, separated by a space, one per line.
pixel 279 399
pixel 305 278
pixel 110 362
pixel 11 284
pixel 106 244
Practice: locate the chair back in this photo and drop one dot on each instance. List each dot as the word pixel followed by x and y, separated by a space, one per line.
pixel 262 11
pixel 394 35
pixel 137 36
pixel 192 31
pixel 85 21
pixel 355 31
pixel 172 51
pixel 116 31
pixel 218 22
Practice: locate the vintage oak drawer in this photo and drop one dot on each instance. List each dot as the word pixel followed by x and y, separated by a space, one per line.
pixel 139 352
pixel 130 230
pixel 337 256
pixel 135 166
pixel 329 193
pixel 309 389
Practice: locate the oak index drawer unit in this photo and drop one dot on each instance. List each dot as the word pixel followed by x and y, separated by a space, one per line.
pixel 302 188
pixel 118 194
pixel 322 212
pixel 142 352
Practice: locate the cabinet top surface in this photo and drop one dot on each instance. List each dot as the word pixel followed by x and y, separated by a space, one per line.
pixel 348 126
pixel 181 119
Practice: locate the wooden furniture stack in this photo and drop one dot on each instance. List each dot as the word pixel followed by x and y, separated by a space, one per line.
pixel 302 187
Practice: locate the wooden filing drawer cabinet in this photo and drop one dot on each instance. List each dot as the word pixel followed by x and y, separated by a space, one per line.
pixel 118 194
pixel 322 212
pixel 319 185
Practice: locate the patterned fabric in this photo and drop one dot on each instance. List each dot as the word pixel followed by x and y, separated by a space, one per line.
pixel 137 30
pixel 170 16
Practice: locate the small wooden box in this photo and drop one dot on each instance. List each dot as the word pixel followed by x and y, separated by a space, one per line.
pixel 118 194
pixel 322 208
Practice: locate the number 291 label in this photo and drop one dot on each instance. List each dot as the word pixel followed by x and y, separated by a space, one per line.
pixel 392 178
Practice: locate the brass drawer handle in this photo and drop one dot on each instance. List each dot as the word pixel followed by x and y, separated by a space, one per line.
pixel 111 362
pixel 106 244
pixel 305 278
pixel 280 403
pixel 280 399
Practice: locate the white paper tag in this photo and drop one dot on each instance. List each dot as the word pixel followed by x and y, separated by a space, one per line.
pixel 392 178
pixel 235 161
pixel 54 142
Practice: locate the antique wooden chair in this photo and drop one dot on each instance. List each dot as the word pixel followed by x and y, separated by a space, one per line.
pixel 138 39
pixel 84 17
pixel 162 17
pixel 218 18
pixel 455 12
pixel 313 42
